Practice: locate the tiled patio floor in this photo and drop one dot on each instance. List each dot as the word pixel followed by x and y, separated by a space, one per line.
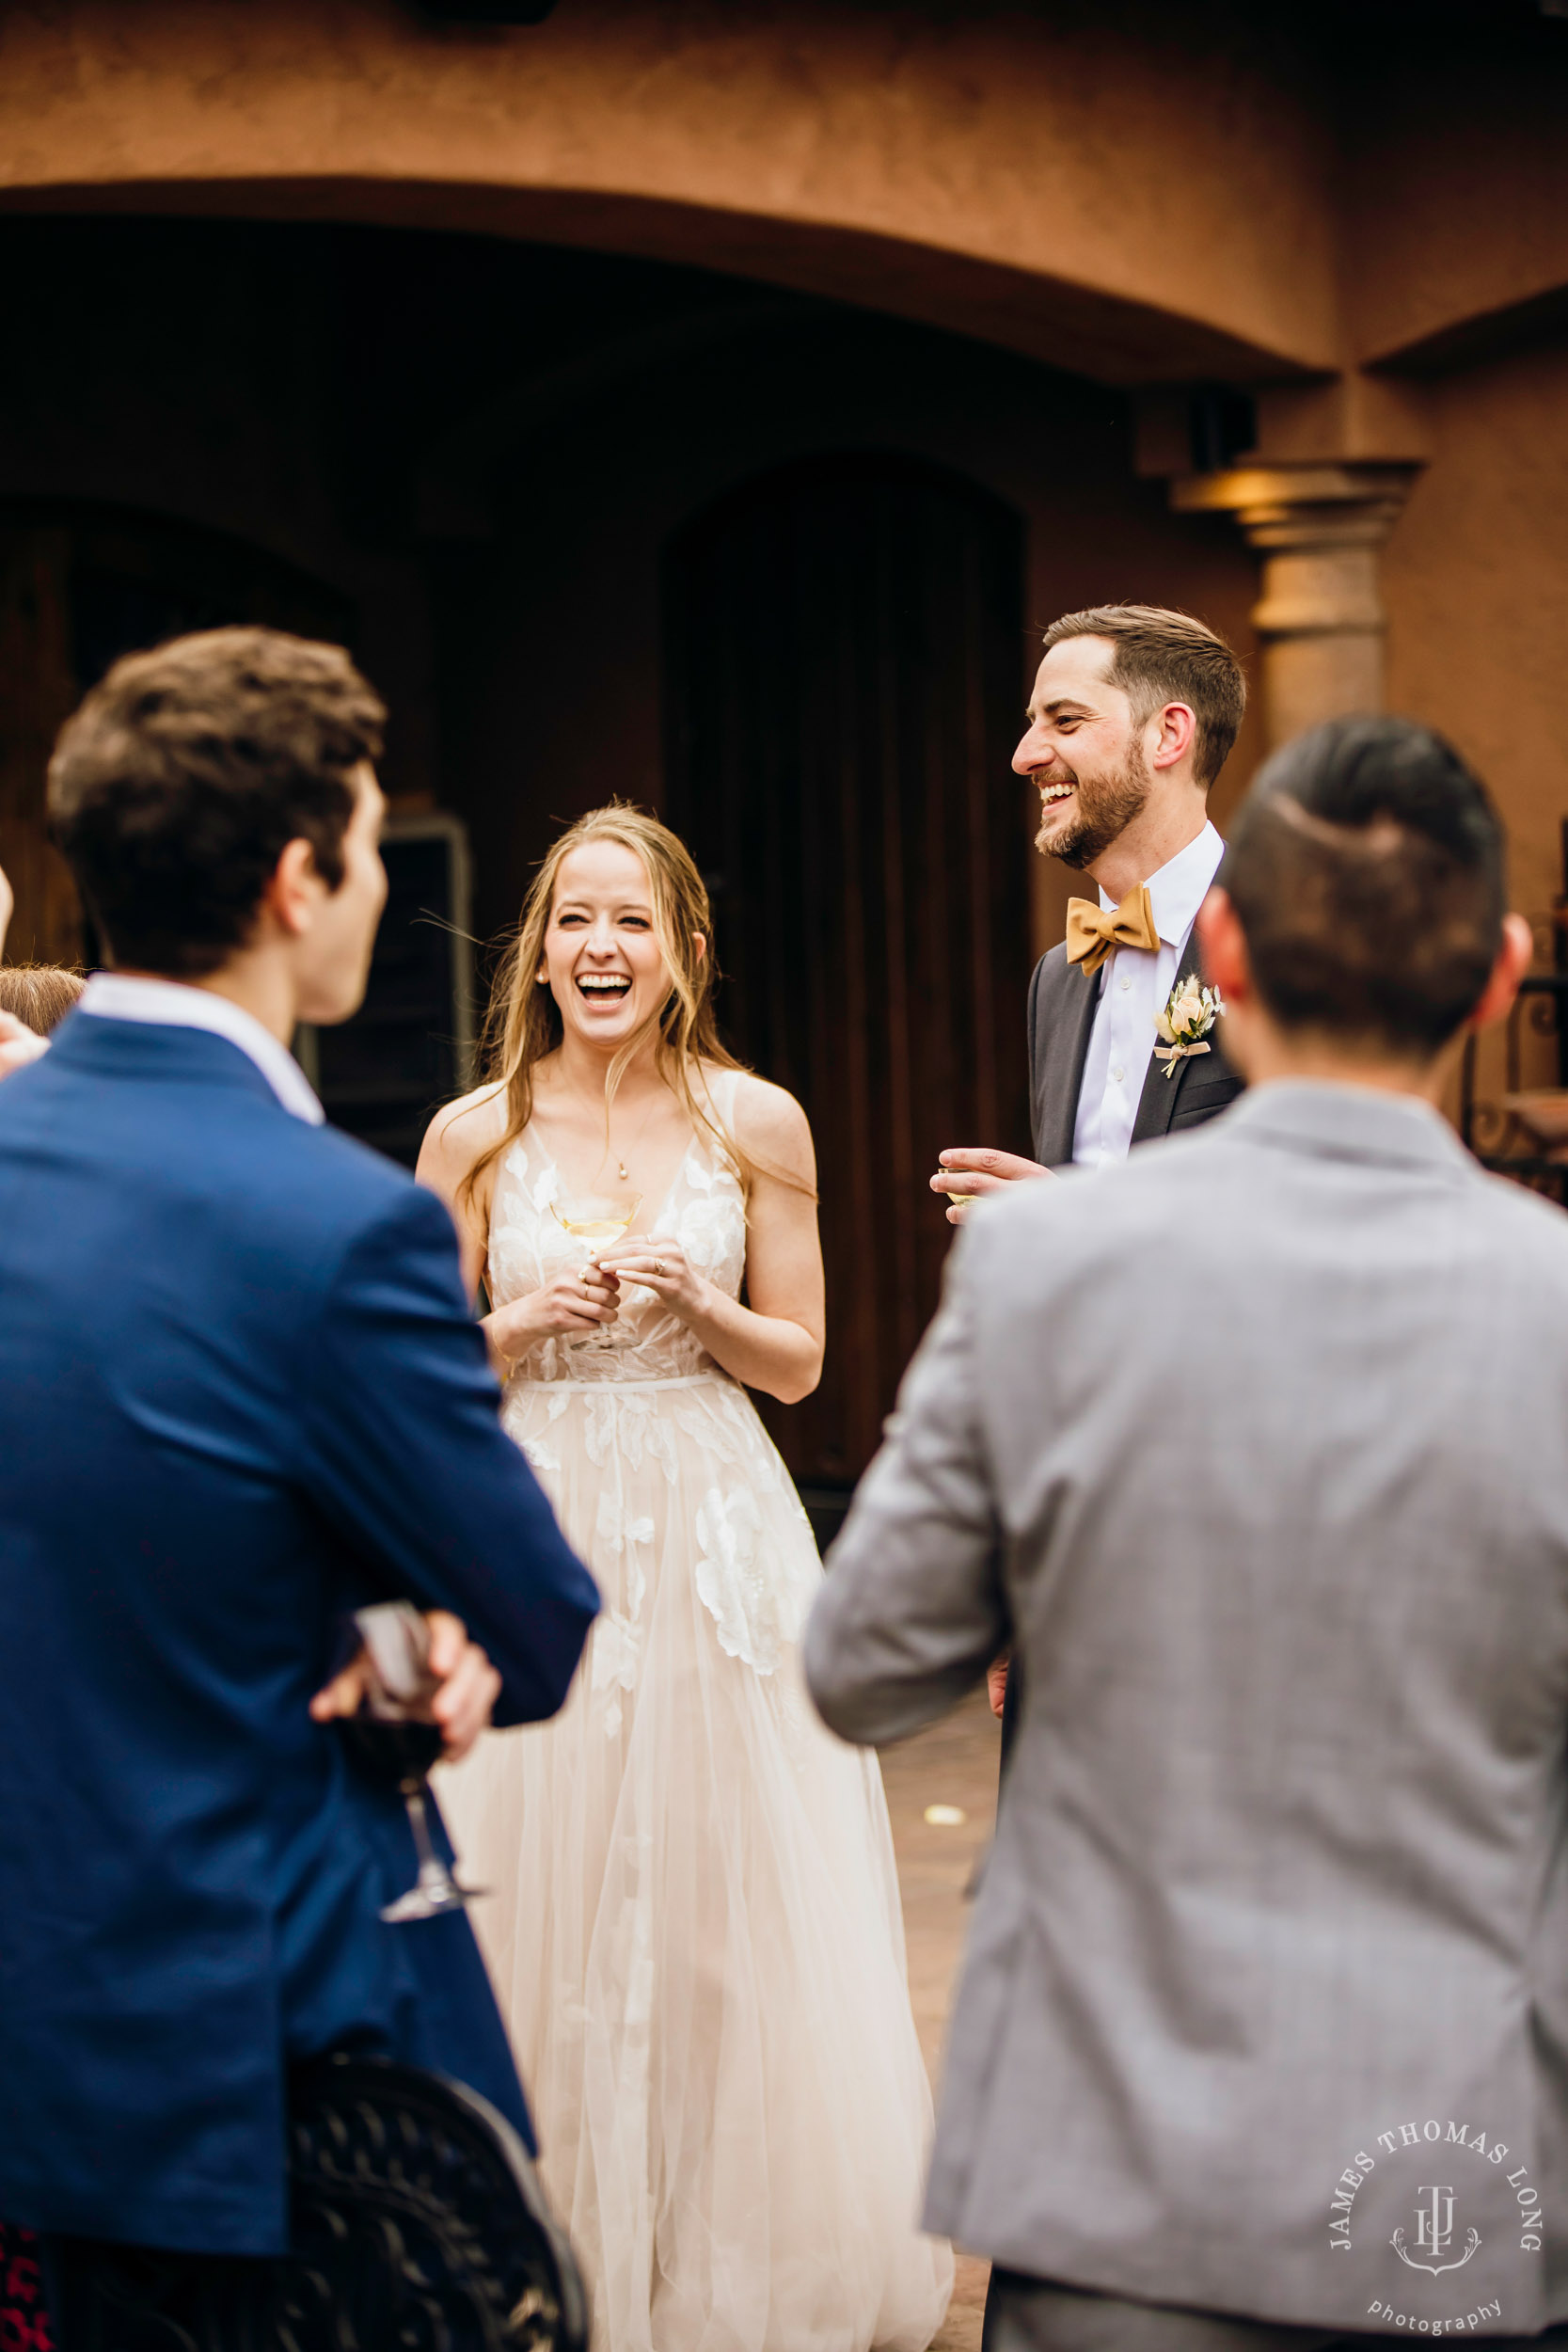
pixel 953 1764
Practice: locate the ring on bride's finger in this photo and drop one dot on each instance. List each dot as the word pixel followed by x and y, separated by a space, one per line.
pixel 659 1267
pixel 587 1274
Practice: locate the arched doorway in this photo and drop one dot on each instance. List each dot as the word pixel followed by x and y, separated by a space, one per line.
pixel 845 668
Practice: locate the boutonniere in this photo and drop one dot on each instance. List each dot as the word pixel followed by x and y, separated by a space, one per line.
pixel 1190 1013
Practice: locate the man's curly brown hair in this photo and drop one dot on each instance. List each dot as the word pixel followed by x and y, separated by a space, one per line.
pixel 175 788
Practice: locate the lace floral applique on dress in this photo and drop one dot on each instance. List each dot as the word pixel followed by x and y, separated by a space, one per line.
pixel 758 1605
pixel 644 1394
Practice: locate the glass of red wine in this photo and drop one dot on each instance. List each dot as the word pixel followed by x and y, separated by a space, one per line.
pixel 396 1734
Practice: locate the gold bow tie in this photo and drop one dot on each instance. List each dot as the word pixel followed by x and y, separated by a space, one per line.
pixel 1091 932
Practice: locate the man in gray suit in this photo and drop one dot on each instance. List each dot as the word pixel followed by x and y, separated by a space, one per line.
pixel 1254 1448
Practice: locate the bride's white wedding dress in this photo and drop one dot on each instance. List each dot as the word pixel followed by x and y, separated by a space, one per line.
pixel 694 1924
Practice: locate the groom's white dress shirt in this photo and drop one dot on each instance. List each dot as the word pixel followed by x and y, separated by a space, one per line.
pixel 174 1004
pixel 1134 985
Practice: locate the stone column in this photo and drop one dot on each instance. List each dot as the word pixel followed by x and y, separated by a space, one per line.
pixel 1319 531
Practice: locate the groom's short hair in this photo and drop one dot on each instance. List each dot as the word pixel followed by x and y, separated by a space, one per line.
pixel 1159 657
pixel 177 786
pixel 1366 866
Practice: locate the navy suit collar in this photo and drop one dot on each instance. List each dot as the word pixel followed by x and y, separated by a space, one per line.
pixel 146 1052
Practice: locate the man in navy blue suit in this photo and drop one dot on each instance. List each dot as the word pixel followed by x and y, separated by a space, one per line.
pixel 242 1394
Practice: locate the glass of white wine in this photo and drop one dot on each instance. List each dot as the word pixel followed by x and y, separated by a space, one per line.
pixel 956 1200
pixel 596 1219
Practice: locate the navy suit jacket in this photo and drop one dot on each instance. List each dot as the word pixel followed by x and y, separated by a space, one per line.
pixel 241 1393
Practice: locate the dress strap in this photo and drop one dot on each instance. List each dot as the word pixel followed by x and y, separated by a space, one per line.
pixel 723 1086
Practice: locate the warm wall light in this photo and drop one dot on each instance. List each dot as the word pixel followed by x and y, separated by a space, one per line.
pixel 946 1816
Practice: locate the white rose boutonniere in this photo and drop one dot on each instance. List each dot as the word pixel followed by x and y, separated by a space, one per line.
pixel 1189 1015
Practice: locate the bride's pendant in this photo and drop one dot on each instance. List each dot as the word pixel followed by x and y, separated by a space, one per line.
pixel 621 1169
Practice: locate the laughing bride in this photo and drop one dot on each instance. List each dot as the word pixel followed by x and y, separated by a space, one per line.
pixel 694 1924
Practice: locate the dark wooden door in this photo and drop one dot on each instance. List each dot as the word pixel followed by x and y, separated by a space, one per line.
pixel 846 667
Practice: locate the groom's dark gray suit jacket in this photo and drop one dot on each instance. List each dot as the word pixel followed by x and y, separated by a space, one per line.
pixel 1061 998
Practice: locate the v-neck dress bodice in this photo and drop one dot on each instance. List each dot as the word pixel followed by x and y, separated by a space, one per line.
pixel 705 1210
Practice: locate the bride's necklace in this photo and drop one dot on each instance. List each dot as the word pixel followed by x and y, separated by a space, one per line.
pixel 620 1159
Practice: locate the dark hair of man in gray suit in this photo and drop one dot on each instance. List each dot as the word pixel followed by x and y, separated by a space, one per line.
pixel 1253 1448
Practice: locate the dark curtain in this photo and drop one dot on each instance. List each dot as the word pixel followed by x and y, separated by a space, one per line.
pixel 846 679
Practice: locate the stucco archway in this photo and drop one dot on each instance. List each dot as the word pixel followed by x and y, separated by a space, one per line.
pixel 1069 193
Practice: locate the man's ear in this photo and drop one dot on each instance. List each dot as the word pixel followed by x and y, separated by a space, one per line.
pixel 1225 962
pixel 1178 727
pixel 292 889
pixel 1513 961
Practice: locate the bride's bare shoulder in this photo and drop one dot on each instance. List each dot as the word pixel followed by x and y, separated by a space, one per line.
pixel 772 1130
pixel 462 1130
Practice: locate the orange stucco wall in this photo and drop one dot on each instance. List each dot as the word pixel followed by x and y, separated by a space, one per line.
pixel 1456 194
pixel 1140 192
pixel 1475 579
pixel 1071 189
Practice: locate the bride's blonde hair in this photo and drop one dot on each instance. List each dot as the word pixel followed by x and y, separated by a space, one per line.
pixel 523 1023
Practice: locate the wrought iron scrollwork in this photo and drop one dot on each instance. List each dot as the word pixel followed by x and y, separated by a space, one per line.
pixel 1500 1140
pixel 418 2226
pixel 419 2223
pixel 1543 1015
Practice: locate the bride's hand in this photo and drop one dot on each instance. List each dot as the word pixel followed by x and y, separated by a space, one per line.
pixel 660 1265
pixel 582 1298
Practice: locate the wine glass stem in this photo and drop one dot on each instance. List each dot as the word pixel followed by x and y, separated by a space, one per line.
pixel 431 1865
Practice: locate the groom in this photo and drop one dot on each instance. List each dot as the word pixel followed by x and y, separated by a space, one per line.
pixel 244 1396
pixel 1134 714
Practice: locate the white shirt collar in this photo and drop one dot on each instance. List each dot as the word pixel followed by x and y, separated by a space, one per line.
pixel 175 1004
pixel 1180 886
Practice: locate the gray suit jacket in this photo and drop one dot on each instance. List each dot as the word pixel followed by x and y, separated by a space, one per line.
pixel 1254 1447
pixel 1061 998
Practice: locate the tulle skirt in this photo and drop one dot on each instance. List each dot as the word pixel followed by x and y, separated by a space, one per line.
pixel 693 1925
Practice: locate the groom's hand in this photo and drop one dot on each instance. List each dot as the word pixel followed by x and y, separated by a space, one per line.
pixel 971 1169
pixel 468 1685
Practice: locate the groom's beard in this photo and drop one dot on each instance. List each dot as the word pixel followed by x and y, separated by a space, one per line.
pixel 1103 808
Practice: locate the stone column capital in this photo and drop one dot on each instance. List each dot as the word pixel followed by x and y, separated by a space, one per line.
pixel 1303 506
pixel 1319 530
